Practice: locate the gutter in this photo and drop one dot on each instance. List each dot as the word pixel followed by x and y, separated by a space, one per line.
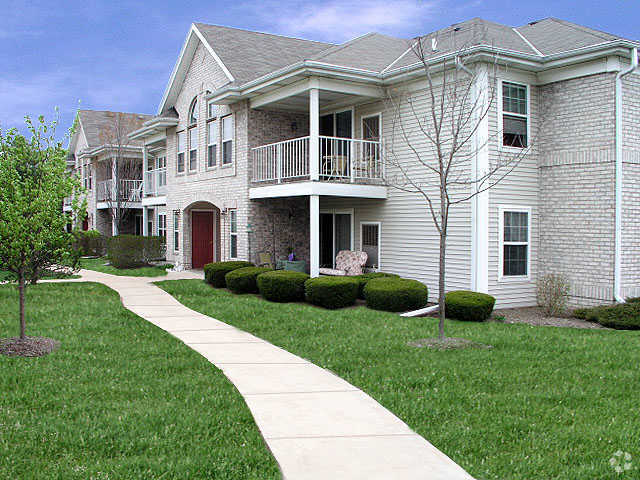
pixel 617 263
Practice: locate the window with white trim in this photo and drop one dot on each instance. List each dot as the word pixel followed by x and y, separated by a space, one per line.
pixel 212 110
pixel 193 112
pixel 515 234
pixel 370 243
pixel 181 146
pixel 161 165
pixel 212 143
pixel 233 233
pixel 227 140
pixel 162 225
pixel 176 230
pixel 515 115
pixel 193 149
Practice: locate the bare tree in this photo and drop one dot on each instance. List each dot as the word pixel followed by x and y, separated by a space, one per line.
pixel 434 149
pixel 124 171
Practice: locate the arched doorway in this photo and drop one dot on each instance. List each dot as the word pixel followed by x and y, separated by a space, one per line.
pixel 205 233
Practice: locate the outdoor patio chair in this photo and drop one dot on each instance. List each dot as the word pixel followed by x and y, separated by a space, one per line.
pixel 348 263
pixel 264 260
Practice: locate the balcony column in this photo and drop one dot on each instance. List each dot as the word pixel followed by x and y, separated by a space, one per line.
pixel 145 221
pixel 145 166
pixel 314 132
pixel 314 235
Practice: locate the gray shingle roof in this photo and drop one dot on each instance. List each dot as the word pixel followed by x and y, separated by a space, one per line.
pixel 99 126
pixel 249 55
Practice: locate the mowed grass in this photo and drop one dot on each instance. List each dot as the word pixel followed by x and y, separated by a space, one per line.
pixel 120 398
pixel 545 403
pixel 98 264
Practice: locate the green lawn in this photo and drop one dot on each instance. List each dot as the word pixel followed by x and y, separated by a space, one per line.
pixel 8 276
pixel 98 264
pixel 120 399
pixel 545 403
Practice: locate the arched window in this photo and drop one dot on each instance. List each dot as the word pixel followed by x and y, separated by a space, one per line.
pixel 193 112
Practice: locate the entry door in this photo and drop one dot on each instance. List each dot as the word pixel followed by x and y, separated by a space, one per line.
pixel 202 246
pixel 335 235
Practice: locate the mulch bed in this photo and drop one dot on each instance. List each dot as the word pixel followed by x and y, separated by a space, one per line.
pixel 535 316
pixel 448 343
pixel 29 347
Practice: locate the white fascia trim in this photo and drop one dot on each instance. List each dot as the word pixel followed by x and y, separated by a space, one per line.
pixel 318 188
pixel 151 127
pixel 154 201
pixel 213 53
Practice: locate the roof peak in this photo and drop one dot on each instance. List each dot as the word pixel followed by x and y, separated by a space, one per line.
pixel 225 27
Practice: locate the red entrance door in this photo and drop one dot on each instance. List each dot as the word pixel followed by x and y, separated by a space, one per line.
pixel 201 238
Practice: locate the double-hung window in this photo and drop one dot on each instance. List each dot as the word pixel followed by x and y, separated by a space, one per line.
pixel 515 235
pixel 515 115
pixel 193 149
pixel 212 143
pixel 181 147
pixel 161 165
pixel 162 225
pixel 227 140
pixel 233 233
pixel 176 230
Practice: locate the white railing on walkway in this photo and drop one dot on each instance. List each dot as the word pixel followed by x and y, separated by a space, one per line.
pixel 155 182
pixel 340 159
pixel 128 191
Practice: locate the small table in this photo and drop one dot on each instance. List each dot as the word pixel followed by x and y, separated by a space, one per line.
pixel 293 265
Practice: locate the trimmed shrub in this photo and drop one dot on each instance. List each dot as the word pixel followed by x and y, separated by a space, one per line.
pixel 89 243
pixel 214 273
pixel 132 251
pixel 395 294
pixel 365 277
pixel 468 306
pixel 331 292
pixel 282 285
pixel 552 294
pixel 622 316
pixel 243 280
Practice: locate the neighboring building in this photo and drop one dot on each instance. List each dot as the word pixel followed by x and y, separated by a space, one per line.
pixel 109 166
pixel 265 143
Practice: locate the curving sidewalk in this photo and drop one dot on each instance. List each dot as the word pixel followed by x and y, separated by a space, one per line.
pixel 317 425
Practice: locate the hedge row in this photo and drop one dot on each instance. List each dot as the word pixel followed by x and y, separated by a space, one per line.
pixel 132 251
pixel 214 273
pixel 622 316
pixel 89 243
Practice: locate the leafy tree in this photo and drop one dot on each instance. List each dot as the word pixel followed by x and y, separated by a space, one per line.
pixel 34 182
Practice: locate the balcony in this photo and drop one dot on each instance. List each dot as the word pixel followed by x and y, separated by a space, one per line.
pixel 155 182
pixel 129 191
pixel 342 160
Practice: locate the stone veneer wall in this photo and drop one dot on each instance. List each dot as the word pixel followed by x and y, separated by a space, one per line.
pixel 577 166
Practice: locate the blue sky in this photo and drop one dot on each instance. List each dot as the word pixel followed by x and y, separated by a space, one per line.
pixel 114 55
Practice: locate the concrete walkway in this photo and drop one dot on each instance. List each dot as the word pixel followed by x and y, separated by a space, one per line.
pixel 317 425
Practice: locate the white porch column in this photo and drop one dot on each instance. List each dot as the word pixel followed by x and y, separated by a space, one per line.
pixel 314 132
pixel 145 221
pixel 314 235
pixel 145 165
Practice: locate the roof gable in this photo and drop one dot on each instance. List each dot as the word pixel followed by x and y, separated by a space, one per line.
pixel 97 125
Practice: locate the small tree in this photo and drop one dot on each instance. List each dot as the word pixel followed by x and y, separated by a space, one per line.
pixel 431 153
pixel 119 167
pixel 33 185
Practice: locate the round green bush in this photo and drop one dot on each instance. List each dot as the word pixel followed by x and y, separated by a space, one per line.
pixel 365 277
pixel 215 272
pixel 243 280
pixel 395 294
pixel 331 292
pixel 468 306
pixel 282 285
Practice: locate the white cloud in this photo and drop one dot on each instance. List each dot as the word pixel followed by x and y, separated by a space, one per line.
pixel 342 20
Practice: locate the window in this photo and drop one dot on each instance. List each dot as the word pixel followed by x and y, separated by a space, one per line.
pixel 227 140
pixel 371 128
pixel 162 225
pixel 212 143
pixel 86 174
pixel 370 243
pixel 161 165
pixel 515 115
pixel 515 238
pixel 193 112
pixel 181 149
pixel 193 149
pixel 233 233
pixel 212 110
pixel 176 230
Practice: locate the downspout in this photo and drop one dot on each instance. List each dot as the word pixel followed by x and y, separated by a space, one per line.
pixel 617 263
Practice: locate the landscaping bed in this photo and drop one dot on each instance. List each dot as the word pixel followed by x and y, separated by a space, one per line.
pixel 535 316
pixel 119 398
pixel 542 403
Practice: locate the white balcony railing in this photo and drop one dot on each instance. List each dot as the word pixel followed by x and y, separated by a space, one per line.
pixel 128 191
pixel 155 182
pixel 339 159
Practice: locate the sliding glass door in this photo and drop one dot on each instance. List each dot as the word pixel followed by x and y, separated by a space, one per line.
pixel 335 234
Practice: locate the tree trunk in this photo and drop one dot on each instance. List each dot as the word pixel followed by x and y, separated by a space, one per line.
pixel 21 287
pixel 441 284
